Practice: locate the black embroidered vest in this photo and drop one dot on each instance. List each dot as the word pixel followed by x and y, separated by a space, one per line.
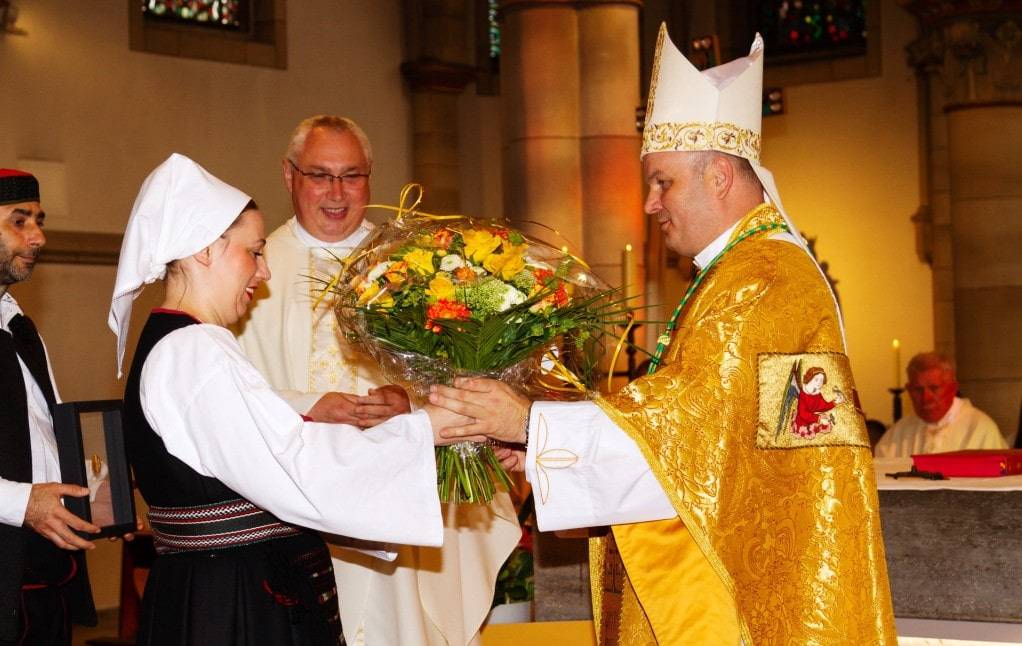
pixel 16 464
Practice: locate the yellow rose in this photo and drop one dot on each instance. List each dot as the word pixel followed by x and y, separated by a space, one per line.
pixel 441 288
pixel 370 290
pixel 494 262
pixel 504 265
pixel 397 273
pixel 384 302
pixel 420 261
pixel 512 266
pixel 480 244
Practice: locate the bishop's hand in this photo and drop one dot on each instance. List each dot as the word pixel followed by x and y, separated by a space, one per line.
pixel 510 459
pixel 443 419
pixel 496 409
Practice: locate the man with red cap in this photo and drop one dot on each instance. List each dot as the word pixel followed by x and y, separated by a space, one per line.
pixel 43 585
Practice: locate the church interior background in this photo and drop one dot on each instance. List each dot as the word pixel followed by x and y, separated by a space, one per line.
pixel 898 153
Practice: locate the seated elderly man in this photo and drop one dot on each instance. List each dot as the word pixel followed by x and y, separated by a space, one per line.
pixel 942 421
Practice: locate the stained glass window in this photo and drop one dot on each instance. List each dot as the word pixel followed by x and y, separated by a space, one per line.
pixel 494 28
pixel 828 26
pixel 227 14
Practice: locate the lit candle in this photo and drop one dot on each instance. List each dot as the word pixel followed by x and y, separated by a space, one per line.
pixel 896 346
pixel 627 273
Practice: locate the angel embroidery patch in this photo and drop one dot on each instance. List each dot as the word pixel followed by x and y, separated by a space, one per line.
pixel 808 400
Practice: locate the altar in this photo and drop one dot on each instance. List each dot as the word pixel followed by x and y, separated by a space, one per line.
pixel 953 553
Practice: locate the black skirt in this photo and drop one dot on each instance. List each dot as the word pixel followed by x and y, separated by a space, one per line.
pixel 279 592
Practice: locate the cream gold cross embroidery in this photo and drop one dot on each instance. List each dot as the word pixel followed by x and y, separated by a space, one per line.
pixel 549 458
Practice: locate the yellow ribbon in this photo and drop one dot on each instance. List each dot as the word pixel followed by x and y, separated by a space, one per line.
pixel 617 351
pixel 404 211
pixel 346 264
pixel 560 373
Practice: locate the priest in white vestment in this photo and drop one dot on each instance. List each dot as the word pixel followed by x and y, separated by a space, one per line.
pixel 941 420
pixel 426 596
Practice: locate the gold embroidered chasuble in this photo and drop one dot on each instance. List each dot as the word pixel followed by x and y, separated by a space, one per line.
pixel 777 539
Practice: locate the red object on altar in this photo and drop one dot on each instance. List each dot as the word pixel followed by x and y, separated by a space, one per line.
pixel 972 463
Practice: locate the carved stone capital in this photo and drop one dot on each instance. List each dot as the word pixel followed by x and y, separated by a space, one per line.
pixel 428 75
pixel 975 46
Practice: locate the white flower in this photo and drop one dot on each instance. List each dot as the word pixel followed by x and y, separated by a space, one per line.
pixel 479 271
pixel 451 262
pixel 511 297
pixel 378 270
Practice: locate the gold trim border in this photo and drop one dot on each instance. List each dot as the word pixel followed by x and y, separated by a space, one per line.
pixel 694 135
pixel 655 83
pixel 700 538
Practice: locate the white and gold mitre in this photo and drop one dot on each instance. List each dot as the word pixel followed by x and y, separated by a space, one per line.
pixel 717 109
pixel 720 108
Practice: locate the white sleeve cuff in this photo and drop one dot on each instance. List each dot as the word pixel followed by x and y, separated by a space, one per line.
pixel 14 501
pixel 587 472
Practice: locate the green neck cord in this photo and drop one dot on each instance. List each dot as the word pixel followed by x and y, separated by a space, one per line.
pixel 664 340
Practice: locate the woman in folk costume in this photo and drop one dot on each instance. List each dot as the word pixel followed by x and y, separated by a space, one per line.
pixel 231 473
pixel 731 528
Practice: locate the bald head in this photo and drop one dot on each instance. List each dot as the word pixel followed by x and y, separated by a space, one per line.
pixel 696 196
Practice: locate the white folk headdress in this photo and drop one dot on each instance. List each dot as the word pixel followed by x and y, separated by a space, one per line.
pixel 180 210
pixel 720 108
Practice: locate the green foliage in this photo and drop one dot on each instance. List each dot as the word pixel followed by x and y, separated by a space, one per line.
pixel 515 579
pixel 497 342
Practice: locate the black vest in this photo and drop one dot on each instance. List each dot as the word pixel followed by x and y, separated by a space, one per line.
pixel 16 464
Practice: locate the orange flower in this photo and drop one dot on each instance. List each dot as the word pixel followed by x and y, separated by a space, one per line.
pixel 542 275
pixel 446 310
pixel 443 238
pixel 465 274
pixel 561 296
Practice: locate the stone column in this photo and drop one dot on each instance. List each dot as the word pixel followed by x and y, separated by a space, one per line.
pixel 933 219
pixel 539 82
pixel 609 143
pixel 437 71
pixel 979 51
pixel 570 86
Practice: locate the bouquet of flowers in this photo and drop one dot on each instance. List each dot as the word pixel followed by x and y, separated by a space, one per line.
pixel 434 297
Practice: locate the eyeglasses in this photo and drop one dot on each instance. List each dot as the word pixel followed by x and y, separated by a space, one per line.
pixel 322 180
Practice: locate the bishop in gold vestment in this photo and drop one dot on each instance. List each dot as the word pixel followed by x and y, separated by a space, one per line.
pixel 737 477
pixel 776 541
